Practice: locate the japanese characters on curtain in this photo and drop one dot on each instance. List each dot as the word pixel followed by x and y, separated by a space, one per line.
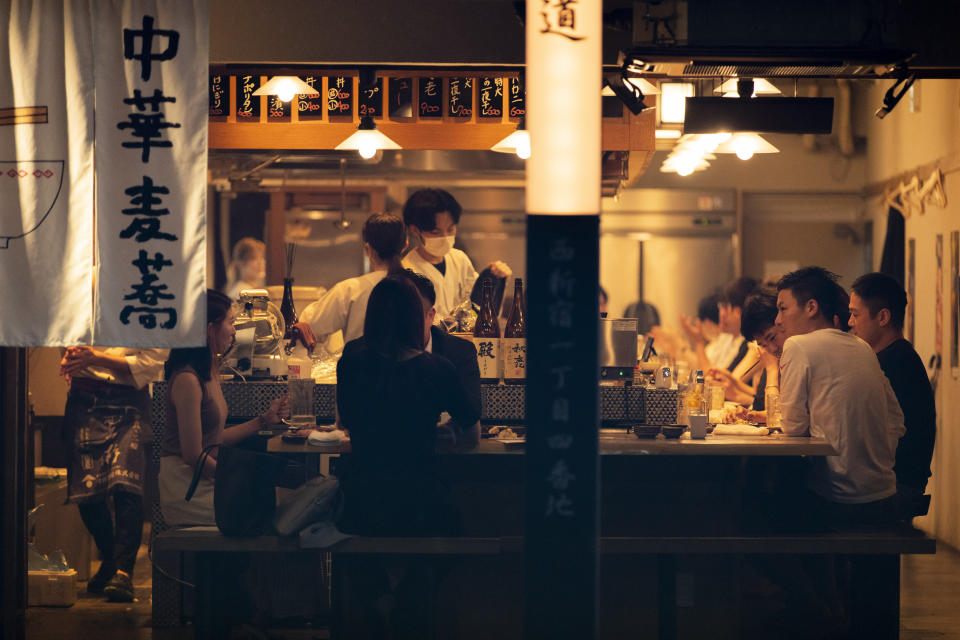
pixel 102 211
pixel 151 80
pixel 46 173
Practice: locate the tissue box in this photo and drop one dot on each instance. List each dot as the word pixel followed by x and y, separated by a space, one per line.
pixel 51 588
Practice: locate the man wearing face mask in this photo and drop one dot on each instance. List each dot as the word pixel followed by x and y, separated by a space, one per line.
pixel 431 216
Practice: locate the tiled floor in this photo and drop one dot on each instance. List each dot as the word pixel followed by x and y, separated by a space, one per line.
pixel 930 608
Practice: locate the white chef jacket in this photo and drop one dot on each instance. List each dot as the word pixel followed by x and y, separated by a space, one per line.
pixel 832 386
pixel 146 366
pixel 342 308
pixel 453 286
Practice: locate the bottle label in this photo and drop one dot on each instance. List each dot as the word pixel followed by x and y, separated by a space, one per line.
pixel 514 358
pixel 488 356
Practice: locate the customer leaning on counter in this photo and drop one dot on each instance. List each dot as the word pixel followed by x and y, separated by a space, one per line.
pixel 344 306
pixel 432 216
pixel 196 414
pixel 107 411
pixel 832 387
pixel 877 307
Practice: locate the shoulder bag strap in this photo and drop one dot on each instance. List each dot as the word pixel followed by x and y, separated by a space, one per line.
pixel 198 470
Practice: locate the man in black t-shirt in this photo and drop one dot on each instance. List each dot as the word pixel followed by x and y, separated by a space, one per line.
pixel 877 305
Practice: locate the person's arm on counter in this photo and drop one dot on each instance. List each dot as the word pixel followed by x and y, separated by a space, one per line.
pixel 794 371
pixel 698 341
pixel 461 407
pixel 240 432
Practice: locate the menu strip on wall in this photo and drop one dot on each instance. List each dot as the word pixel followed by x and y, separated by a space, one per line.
pixel 460 103
pixel 911 287
pixel 248 105
pixel 401 98
pixel 370 100
pixel 339 96
pixel 430 101
pixel 954 302
pixel 311 107
pixel 491 98
pixel 219 102
pixel 517 99
pixel 277 109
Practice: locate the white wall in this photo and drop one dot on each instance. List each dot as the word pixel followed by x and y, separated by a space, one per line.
pixel 905 140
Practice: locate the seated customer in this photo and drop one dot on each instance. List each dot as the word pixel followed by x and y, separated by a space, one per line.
pixel 758 323
pixel 390 394
pixel 877 306
pixel 832 387
pixel 461 354
pixel 196 417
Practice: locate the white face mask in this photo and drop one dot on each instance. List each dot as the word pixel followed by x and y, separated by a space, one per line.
pixel 438 246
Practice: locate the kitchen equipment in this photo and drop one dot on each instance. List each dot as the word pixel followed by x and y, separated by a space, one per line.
pixel 618 348
pixel 258 353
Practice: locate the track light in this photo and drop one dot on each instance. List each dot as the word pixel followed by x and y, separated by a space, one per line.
pixel 892 97
pixel 629 92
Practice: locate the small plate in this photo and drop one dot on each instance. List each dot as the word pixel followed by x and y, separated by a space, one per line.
pixel 511 440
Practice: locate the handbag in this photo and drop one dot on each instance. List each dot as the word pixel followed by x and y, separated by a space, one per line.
pixel 315 500
pixel 244 493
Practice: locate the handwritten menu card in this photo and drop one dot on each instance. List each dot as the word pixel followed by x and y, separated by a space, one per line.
pixel 430 102
pixel 491 98
pixel 248 105
pixel 460 104
pixel 218 96
pixel 311 107
pixel 370 100
pixel 277 109
pixel 401 98
pixel 517 100
pixel 339 95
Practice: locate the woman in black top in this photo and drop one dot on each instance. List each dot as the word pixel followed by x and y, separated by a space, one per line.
pixel 390 394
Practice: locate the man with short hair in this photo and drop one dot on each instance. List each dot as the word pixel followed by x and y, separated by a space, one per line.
pixel 461 353
pixel 432 216
pixel 877 306
pixel 831 386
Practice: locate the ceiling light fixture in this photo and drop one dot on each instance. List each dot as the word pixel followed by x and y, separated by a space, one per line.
pixel 629 92
pixel 285 88
pixel 367 140
pixel 673 98
pixel 731 88
pixel 745 145
pixel 517 142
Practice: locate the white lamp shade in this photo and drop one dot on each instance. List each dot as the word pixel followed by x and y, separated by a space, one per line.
pixel 517 142
pixel 367 142
pixel 760 87
pixel 745 145
pixel 285 88
pixel 673 105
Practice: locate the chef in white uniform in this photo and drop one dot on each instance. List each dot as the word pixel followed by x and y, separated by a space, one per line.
pixel 344 306
pixel 432 216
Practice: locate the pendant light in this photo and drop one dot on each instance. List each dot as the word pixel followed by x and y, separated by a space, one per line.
pixel 517 142
pixel 285 88
pixel 745 144
pixel 367 140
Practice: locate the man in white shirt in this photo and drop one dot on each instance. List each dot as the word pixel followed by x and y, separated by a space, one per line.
pixel 432 216
pixel 831 386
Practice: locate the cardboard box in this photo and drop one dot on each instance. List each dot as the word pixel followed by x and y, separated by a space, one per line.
pixel 51 588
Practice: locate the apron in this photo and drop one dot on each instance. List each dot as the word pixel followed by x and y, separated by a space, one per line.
pixel 103 427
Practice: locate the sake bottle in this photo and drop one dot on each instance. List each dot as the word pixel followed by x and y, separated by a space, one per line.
pixel 515 339
pixel 486 337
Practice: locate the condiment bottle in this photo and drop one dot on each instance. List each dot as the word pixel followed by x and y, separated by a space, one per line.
pixel 515 339
pixel 486 337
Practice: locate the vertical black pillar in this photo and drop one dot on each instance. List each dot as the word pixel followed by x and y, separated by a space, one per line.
pixel 13 525
pixel 562 502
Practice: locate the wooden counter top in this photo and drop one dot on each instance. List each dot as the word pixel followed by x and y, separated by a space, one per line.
pixel 623 444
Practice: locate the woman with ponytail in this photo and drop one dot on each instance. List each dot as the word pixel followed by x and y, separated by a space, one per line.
pixel 344 306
